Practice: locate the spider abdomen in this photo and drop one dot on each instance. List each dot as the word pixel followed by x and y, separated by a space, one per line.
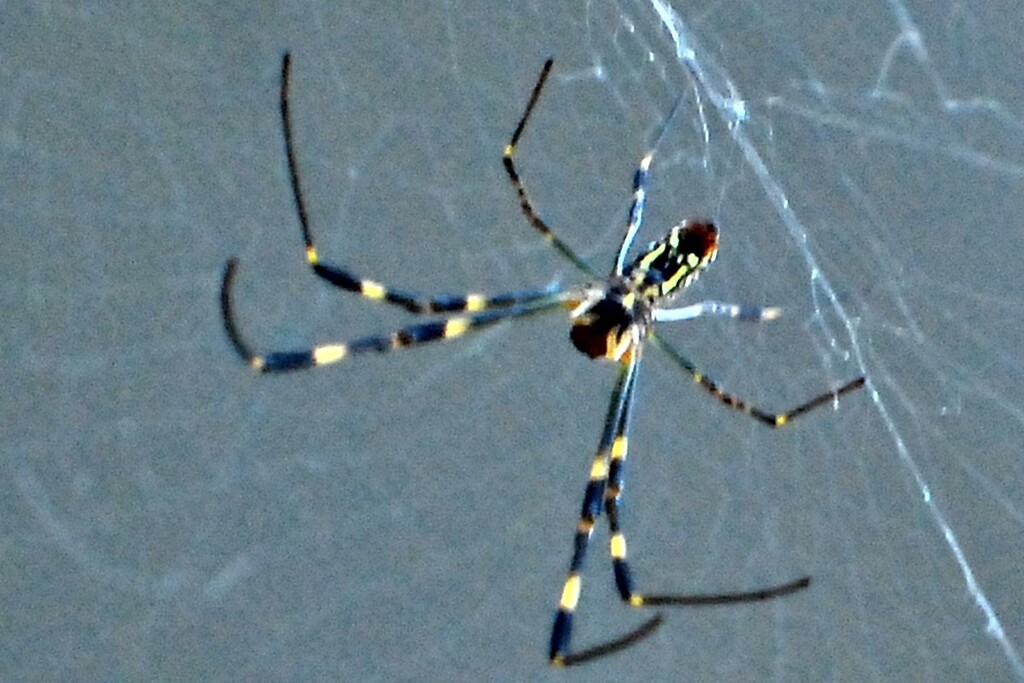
pixel 673 263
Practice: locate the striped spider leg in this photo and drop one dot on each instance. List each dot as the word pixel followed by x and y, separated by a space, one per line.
pixel 481 310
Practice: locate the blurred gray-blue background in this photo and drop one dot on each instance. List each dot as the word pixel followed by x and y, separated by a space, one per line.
pixel 167 515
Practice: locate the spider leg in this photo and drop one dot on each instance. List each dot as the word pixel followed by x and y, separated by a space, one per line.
pixel 348 281
pixel 613 441
pixel 607 480
pixel 325 354
pixel 636 209
pixel 623 576
pixel 771 419
pixel 743 312
pixel 524 201
pixel 640 179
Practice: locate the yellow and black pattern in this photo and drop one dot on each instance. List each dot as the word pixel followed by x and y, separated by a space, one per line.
pixel 770 419
pixel 605 468
pixel 414 335
pixel 612 318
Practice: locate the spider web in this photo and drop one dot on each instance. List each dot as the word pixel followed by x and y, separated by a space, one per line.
pixel 868 117
pixel 912 115
pixel 408 518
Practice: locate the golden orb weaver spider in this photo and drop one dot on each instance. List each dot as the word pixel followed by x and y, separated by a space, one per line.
pixel 611 318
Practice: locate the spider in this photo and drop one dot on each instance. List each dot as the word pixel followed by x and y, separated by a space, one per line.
pixel 612 317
